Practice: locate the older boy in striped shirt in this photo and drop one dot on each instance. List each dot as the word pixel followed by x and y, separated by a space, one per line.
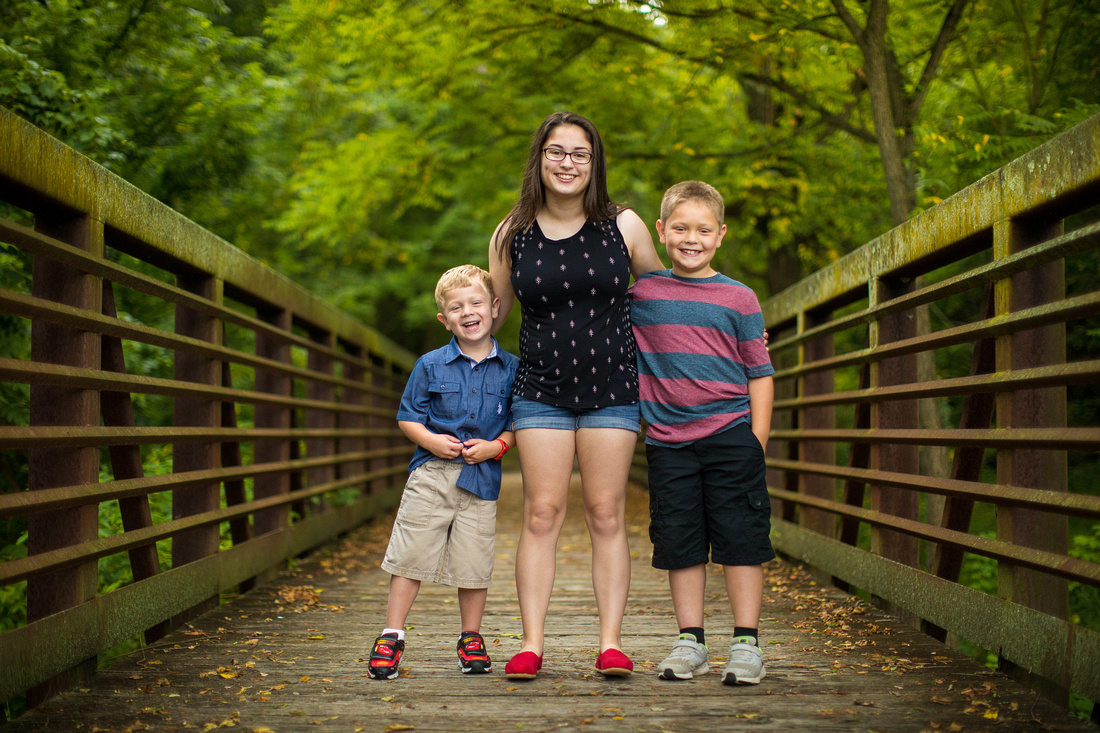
pixel 706 394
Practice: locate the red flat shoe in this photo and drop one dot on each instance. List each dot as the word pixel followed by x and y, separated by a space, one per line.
pixel 523 666
pixel 613 663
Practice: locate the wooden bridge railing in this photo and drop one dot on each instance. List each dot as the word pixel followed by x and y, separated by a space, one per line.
pixel 966 309
pixel 278 413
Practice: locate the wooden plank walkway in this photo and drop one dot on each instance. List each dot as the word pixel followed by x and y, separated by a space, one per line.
pixel 290 657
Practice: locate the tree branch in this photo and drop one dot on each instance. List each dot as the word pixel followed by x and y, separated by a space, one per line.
pixel 850 21
pixel 795 94
pixel 131 21
pixel 768 81
pixel 946 34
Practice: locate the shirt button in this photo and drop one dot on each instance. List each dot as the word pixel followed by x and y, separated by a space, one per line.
pixel 472 415
pixel 475 391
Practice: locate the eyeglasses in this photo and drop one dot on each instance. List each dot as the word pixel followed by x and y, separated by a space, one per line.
pixel 579 157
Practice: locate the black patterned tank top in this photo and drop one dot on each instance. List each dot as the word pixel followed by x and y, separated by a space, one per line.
pixel 576 346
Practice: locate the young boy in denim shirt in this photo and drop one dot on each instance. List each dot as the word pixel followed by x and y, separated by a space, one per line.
pixel 706 394
pixel 457 409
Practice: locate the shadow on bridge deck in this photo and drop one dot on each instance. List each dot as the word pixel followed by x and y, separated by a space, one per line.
pixel 290 657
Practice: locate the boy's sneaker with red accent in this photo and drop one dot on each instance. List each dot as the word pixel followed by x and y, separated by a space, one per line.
pixel 473 657
pixel 385 657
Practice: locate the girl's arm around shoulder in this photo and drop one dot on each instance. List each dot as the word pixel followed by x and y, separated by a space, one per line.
pixel 639 243
pixel 500 272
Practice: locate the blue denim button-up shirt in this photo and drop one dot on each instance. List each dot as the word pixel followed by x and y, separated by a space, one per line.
pixel 451 394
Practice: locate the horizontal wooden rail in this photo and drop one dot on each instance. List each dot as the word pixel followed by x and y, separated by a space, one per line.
pixel 16 371
pixel 43 310
pixel 273 411
pixel 1077 308
pixel 1050 438
pixel 1072 243
pixel 73 496
pixel 1079 505
pixel 1081 373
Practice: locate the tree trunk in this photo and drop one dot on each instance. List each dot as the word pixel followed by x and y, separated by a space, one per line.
pixel 899 183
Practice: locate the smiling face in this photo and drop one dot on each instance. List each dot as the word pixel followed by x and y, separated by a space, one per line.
pixel 565 177
pixel 468 313
pixel 692 235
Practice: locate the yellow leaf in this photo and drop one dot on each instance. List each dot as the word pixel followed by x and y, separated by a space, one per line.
pixel 990 714
pixel 316 637
pixel 389 698
pixel 304 678
pixel 227 675
pixel 397 726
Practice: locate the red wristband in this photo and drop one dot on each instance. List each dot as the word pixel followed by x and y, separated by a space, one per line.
pixel 503 450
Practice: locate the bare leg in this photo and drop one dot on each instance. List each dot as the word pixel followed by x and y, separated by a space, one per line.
pixel 471 607
pixel 546 462
pixel 603 455
pixel 687 586
pixel 745 588
pixel 403 592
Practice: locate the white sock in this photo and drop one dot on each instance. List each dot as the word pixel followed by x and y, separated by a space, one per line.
pixel 400 633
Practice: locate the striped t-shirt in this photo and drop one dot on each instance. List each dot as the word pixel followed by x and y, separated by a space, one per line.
pixel 699 342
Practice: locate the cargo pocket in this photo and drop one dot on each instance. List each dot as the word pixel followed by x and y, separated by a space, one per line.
pixel 760 501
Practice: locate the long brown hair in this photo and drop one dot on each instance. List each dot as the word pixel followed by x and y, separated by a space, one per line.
pixel 598 205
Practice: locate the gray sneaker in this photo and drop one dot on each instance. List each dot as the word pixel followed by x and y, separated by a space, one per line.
pixel 688 658
pixel 746 665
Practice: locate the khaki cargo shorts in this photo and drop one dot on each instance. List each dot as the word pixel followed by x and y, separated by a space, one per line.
pixel 442 533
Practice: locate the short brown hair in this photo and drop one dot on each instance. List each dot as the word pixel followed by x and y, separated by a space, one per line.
pixel 461 277
pixel 704 193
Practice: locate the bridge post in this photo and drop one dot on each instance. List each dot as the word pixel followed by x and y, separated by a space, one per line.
pixel 817 418
pixel 274 450
pixel 57 343
pixel 320 361
pixel 894 415
pixel 195 544
pixel 1032 408
pixel 382 379
pixel 353 373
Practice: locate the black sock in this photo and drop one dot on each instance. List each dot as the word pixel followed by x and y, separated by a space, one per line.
pixel 739 631
pixel 700 637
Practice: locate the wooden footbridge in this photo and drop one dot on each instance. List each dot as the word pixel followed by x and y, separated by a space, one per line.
pixel 290 656
pixel 281 442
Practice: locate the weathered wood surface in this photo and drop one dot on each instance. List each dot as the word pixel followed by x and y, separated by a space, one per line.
pixel 290 656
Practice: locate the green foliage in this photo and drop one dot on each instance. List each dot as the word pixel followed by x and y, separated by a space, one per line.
pixel 363 147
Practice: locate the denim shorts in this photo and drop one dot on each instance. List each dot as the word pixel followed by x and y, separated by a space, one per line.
pixel 531 414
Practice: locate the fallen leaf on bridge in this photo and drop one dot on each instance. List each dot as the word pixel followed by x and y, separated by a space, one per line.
pixel 397 726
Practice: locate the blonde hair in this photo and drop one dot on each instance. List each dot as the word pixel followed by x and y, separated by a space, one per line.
pixel 461 277
pixel 684 191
